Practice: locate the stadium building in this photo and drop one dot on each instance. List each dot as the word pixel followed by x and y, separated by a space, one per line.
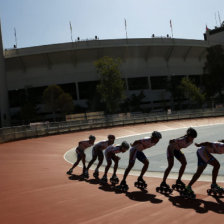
pixel 147 63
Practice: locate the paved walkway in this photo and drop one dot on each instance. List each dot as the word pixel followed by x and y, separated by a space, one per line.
pixel 35 189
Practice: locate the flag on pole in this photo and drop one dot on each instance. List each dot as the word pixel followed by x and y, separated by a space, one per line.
pixel 171 27
pixel 71 30
pixel 125 24
pixel 15 36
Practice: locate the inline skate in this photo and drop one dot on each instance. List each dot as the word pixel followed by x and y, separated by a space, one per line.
pixel 114 180
pixel 179 186
pixel 188 193
pixel 140 183
pixel 215 190
pixel 123 187
pixel 164 188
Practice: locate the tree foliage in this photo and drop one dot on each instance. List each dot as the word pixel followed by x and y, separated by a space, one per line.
pixel 111 87
pixel 56 99
pixel 213 77
pixel 133 103
pixel 192 92
pixel 65 103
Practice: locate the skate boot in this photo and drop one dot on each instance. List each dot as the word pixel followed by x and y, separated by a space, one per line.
pixel 123 187
pixel 104 180
pixel 164 188
pixel 215 190
pixel 96 174
pixel 85 173
pixel 179 186
pixel 69 172
pixel 140 183
pixel 188 193
pixel 114 180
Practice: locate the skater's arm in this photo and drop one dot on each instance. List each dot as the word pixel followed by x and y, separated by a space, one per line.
pixel 172 141
pixel 136 142
pixel 204 144
pixel 221 141
pixel 132 155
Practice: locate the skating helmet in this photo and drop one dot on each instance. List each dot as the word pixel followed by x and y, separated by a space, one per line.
pixel 125 145
pixel 192 132
pixel 91 137
pixel 157 135
pixel 111 137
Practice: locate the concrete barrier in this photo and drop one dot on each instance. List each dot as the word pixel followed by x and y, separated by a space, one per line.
pixel 100 121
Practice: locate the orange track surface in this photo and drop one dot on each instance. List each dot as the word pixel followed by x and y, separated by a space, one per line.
pixel 35 189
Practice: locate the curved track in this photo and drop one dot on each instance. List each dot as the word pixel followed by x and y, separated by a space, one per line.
pixel 35 189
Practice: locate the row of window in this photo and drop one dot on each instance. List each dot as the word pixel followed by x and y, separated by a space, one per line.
pixel 87 90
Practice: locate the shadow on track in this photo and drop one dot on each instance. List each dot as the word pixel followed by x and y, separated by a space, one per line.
pixel 76 177
pixel 143 196
pixel 199 205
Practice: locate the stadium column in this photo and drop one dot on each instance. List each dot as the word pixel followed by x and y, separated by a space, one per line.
pixel 4 106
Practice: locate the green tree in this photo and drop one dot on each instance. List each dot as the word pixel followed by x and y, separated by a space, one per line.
pixel 133 103
pixel 111 87
pixel 192 92
pixel 65 103
pixel 56 99
pixel 173 86
pixel 213 77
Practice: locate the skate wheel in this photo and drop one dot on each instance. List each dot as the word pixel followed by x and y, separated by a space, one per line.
pixel 157 189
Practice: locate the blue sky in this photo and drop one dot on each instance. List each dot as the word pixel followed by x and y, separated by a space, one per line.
pixel 42 22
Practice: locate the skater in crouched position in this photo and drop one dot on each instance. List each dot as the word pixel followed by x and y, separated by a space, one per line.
pixel 204 158
pixel 81 155
pixel 110 154
pixel 136 152
pixel 174 150
pixel 97 152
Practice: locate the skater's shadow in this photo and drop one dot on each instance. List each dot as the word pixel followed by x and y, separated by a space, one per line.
pixel 76 177
pixel 218 199
pixel 199 205
pixel 93 181
pixel 106 187
pixel 143 196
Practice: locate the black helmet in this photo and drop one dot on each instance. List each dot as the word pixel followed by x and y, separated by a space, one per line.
pixel 125 145
pixel 91 137
pixel 157 135
pixel 192 132
pixel 111 137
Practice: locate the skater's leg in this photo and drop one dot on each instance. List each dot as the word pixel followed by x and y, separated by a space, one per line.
pixel 216 166
pixel 116 160
pixel 128 169
pixel 109 162
pixel 143 159
pixel 76 163
pixel 170 160
pixel 83 160
pixel 91 162
pixel 144 168
pixel 100 158
pixel 198 173
pixel 132 157
pixel 183 162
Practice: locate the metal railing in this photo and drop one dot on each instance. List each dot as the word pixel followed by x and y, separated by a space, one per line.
pixel 52 128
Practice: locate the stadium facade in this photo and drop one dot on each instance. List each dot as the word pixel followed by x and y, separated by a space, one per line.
pixel 146 65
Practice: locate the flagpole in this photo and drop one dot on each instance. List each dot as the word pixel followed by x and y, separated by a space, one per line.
pixel 71 30
pixel 125 24
pixel 15 36
pixel 171 27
